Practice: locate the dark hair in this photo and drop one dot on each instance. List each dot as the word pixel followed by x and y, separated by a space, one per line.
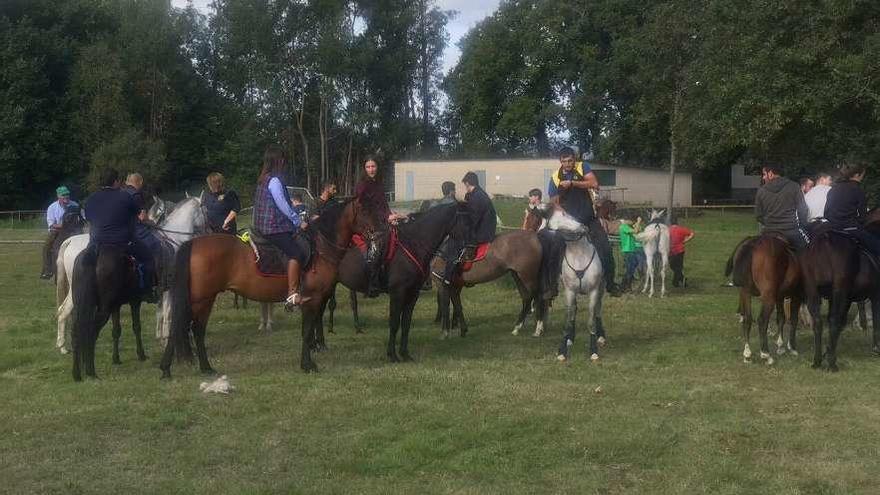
pixel 776 169
pixel 372 158
pixel 108 177
pixel 536 192
pixel 297 196
pixel 447 188
pixel 824 174
pixel 471 179
pixel 851 168
pixel 327 183
pixel 805 180
pixel 274 163
pixel 566 152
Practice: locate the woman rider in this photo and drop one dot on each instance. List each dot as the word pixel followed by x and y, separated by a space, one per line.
pixel 371 193
pixel 222 205
pixel 275 219
pixel 846 206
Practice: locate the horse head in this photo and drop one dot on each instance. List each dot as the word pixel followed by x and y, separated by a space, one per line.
pixel 655 215
pixel 564 222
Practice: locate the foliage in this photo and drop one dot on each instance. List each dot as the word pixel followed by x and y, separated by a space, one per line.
pixel 129 152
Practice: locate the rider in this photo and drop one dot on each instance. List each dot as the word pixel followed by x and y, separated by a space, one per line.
pixel 275 219
pixel 327 197
pixel 818 195
pixel 111 213
pixel 55 218
pixel 483 224
pixel 846 206
pixel 780 206
pixel 569 188
pixel 144 246
pixel 371 193
pixel 222 205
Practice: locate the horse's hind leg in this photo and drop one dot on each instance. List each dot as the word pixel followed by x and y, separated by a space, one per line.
pixel 526 306
pixel 101 318
pixel 839 309
pixel 331 306
pixel 794 321
pixel 814 305
pixel 353 299
pixel 393 324
pixel 117 334
pixel 201 311
pixel 266 322
pixel 767 306
pixel 781 313
pixel 458 312
pixel 136 328
pixel 745 306
pixel 664 267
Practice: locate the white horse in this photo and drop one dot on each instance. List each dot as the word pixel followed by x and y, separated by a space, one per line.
pixel 186 221
pixel 655 239
pixel 581 274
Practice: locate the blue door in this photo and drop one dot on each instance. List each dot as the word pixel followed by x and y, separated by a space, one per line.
pixel 410 186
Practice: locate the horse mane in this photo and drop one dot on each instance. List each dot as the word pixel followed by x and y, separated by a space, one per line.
pixel 326 222
pixel 418 220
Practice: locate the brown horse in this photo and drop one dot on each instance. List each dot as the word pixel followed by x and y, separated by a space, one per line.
pixel 766 266
pixel 207 266
pixel 606 211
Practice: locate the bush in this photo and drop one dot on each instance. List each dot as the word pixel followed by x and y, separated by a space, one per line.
pixel 129 152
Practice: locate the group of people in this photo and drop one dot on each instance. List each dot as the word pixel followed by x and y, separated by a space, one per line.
pixel 788 208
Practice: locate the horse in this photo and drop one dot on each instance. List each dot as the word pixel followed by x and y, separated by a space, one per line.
pixel 411 250
pixel 173 228
pixel 606 211
pixel 767 267
pixel 72 223
pixel 209 265
pixel 655 239
pixel 836 268
pixel 518 252
pixel 581 274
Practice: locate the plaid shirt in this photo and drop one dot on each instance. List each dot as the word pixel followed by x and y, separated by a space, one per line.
pixel 267 218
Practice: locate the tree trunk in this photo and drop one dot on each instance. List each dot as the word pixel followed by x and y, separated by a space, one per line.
pixel 348 165
pixel 672 149
pixel 305 143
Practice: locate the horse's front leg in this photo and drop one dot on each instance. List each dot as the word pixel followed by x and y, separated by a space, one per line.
pixel 875 323
pixel 745 306
pixel 393 324
pixel 780 325
pixel 136 328
pixel 353 299
pixel 308 331
pixel 458 312
pixel 794 321
pixel 320 345
pixel 406 323
pixel 564 353
pixel 117 334
pixel 331 306
pixel 814 305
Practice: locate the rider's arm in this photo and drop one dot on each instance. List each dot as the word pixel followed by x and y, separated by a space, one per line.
pixel 589 182
pixel 277 191
pixel 53 220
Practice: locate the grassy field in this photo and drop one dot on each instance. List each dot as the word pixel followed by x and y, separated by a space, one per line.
pixel 670 408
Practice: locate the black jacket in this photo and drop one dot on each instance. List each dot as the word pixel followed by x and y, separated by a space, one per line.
pixel 482 214
pixel 846 206
pixel 780 205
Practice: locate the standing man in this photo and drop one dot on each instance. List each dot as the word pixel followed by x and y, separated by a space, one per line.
pixel 569 189
pixel 55 219
pixel 780 206
pixel 817 196
pixel 483 224
pixel 678 237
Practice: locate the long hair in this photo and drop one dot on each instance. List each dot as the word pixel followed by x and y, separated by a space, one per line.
pixel 374 159
pixel 274 163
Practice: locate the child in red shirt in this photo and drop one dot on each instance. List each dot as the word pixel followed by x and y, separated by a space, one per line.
pixel 678 237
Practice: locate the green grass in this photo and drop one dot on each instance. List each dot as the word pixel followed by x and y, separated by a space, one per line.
pixel 678 411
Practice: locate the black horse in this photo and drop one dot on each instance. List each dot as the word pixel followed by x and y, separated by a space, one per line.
pixel 407 270
pixel 836 268
pixel 104 279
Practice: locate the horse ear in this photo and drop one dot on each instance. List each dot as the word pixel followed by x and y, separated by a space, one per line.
pixel 187 195
pixel 201 197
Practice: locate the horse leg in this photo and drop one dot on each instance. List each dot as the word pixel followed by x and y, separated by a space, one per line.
pixel 649 274
pixel 745 305
pixel 540 307
pixel 780 324
pixel 101 318
pixel 598 324
pixel 393 324
pixel 320 345
pixel 814 305
pixel 459 312
pixel 875 333
pixel 331 305
pixel 793 323
pixel 595 308
pixel 117 334
pixel 234 300
pixel 839 309
pixel 353 299
pixel 136 328
pixel 443 301
pixel 308 317
pixel 201 311
pixel 767 305
pixel 863 317
pixel 438 318
pixel 406 323
pixel 526 306
pixel 564 352
pixel 664 258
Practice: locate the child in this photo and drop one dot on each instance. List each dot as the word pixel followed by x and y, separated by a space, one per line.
pixel 678 237
pixel 535 196
pixel 630 248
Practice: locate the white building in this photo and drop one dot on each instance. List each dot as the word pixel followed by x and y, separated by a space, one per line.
pixel 515 177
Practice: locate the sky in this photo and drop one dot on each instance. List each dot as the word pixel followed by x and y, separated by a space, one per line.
pixel 470 12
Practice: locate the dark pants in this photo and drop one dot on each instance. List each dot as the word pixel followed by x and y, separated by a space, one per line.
pixel 795 237
pixel 287 244
pixel 676 263
pixel 49 252
pixel 600 241
pixel 453 254
pixel 866 239
pixel 144 255
pixel 631 262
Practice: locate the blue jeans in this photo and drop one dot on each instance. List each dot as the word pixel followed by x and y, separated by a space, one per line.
pixel 631 263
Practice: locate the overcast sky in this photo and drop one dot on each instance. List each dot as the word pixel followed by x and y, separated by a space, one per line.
pixel 470 12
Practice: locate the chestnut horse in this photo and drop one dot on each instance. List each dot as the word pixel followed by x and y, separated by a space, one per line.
pixel 767 267
pixel 209 265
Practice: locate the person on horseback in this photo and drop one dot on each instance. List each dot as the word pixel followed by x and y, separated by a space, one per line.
pixel 145 247
pixel 535 197
pixel 275 219
pixel 780 206
pixel 55 220
pixel 569 189
pixel 371 193
pixel 846 208
pixel 111 213
pixel 326 199
pixel 483 225
pixel 222 205
pixel 818 195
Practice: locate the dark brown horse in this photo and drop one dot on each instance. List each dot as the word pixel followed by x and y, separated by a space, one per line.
pixel 209 265
pixel 765 266
pixel 837 269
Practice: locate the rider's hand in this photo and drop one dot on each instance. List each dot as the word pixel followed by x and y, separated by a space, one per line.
pixel 565 184
pixel 303 225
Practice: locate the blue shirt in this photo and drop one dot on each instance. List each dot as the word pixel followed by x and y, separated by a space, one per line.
pixel 280 199
pixel 112 214
pixel 55 213
pixel 552 190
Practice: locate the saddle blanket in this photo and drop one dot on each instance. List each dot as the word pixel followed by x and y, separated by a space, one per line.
pixel 479 255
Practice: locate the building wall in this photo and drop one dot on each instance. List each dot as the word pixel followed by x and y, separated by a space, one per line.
pixel 421 180
pixel 739 179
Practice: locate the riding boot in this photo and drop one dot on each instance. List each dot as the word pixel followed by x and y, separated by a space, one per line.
pixel 48 254
pixel 294 298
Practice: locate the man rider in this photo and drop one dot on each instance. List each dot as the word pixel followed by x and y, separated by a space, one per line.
pixel 780 206
pixel 483 224
pixel 111 213
pixel 144 246
pixel 54 219
pixel 569 188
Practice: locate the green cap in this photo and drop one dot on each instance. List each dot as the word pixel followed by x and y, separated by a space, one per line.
pixel 62 191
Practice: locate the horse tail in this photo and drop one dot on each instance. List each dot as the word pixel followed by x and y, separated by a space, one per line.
pixel 85 301
pixel 649 235
pixel 740 261
pixel 62 285
pixel 181 311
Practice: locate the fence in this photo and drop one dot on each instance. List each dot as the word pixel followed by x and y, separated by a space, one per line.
pixel 22 219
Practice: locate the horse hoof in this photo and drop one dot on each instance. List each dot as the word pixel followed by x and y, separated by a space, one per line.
pixel 601 341
pixel 359 331
pixel 594 357
pixel 406 358
pixel 393 358
pixel 793 352
pixel 515 332
pixel 833 368
pixel 537 334
pixel 816 365
pixel 781 350
pixel 142 357
pixel 561 358
pixel 769 361
pixel 65 351
pixel 309 367
pixel 166 375
pixel 747 360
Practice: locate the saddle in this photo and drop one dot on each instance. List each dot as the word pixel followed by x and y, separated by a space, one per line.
pixel 474 255
pixel 270 260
